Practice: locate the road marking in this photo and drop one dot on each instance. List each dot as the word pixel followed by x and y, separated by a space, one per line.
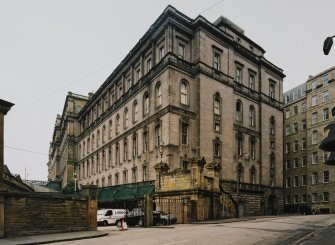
pixel 176 242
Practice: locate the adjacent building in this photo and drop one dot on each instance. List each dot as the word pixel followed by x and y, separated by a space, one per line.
pixel 189 89
pixel 63 149
pixel 307 179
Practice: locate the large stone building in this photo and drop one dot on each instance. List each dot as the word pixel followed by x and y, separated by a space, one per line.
pixel 307 179
pixel 62 152
pixel 189 89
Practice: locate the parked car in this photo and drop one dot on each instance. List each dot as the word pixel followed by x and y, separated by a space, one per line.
pixel 135 217
pixel 164 218
pixel 110 216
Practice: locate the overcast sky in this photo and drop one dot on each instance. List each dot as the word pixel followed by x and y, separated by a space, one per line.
pixel 48 48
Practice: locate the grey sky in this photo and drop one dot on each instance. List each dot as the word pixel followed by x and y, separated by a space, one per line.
pixel 48 48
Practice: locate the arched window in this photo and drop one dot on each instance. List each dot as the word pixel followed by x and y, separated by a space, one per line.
pixel 239 111
pixel 103 134
pixel 146 104
pixel 135 111
pixel 126 118
pixel 110 129
pixel 184 93
pixel 117 124
pixel 98 138
pixel 158 94
pixel 252 116
pixel 93 140
pixel 217 106
pixel 315 137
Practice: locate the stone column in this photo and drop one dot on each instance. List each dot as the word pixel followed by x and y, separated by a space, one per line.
pixel 4 108
pixel 90 191
pixel 148 211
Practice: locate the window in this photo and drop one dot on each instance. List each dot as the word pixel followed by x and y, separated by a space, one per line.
pixel 216 61
pixel 110 129
pixel 325 176
pixel 287 148
pixel 287 113
pixel 272 180
pixel 272 90
pixel 125 150
pixel 314 137
pixel 326 197
pixel 251 81
pixel 314 197
pixel 217 126
pixel 239 75
pixel 116 178
pixel 325 79
pixel 126 118
pixel 287 130
pixel 145 141
pixel 134 146
pixel 295 110
pixel 117 124
pixel 217 106
pixel 134 175
pixel 93 142
pixel 272 144
pixel 128 84
pixel 288 182
pixel 253 175
pixel 295 199
pixel 135 111
pixel 304 180
pixel 314 178
pixel 304 198
pixel 239 145
pixel 325 114
pixel 181 51
pixel 138 74
pixel 288 164
pixel 184 93
pixel 110 157
pixel 146 104
pixel 314 117
pixel 103 134
pixel 158 95
pixel 296 181
pixel 145 173
pixel 161 52
pixel 314 84
pixel 272 125
pixel 325 96
pixel 239 111
pixel 296 163
pixel 217 146
pixel 149 65
pixel 88 145
pixel 184 134
pixel 125 177
pixel 303 144
pixel 158 135
pixel 288 199
pixel 303 161
pixel 253 149
pixel 252 116
pixel 98 138
pixel 314 100
pixel 315 158
pixel 304 125
pixel 303 107
pixel 295 128
pixel 117 153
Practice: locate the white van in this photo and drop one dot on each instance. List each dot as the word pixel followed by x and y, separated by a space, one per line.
pixel 110 216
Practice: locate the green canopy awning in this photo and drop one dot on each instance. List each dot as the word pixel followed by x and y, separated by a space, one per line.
pixel 126 192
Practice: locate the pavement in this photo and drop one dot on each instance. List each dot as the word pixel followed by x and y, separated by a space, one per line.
pixel 70 236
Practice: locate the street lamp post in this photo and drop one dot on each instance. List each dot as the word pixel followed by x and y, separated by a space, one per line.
pixel 238 174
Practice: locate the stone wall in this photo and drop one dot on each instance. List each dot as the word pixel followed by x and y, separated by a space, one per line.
pixel 35 214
